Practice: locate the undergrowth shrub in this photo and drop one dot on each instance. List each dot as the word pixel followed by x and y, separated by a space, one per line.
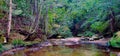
pixel 87 34
pixel 115 40
pixel 2 39
pixel 65 31
pixel 1 48
pixel 100 26
pixel 18 42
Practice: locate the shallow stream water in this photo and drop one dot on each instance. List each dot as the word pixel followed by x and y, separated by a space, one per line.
pixel 76 50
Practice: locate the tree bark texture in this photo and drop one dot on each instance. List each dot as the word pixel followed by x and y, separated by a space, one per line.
pixel 9 21
pixel 112 21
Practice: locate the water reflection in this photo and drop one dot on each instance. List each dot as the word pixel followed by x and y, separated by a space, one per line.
pixel 81 50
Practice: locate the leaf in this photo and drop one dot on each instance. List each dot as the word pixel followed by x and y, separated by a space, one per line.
pixel 17 12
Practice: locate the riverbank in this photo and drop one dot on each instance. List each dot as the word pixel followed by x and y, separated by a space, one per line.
pixel 56 42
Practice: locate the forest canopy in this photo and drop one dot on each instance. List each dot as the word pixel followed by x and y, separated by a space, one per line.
pixel 65 17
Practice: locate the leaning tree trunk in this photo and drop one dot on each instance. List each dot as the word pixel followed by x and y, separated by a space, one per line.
pixel 9 21
pixel 37 12
pixel 37 9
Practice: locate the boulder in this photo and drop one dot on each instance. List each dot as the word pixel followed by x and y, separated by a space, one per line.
pixel 95 37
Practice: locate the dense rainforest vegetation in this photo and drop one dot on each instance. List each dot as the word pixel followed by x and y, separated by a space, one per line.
pixel 31 20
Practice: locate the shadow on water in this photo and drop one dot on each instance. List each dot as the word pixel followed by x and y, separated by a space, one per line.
pixel 76 50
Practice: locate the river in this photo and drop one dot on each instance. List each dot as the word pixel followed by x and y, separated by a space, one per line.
pixel 73 50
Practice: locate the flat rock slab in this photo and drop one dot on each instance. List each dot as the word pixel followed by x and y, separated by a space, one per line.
pixel 98 42
pixel 74 41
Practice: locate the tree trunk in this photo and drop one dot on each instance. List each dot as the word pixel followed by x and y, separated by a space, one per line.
pixel 36 22
pixel 37 13
pixel 9 21
pixel 112 21
pixel 37 9
pixel 46 21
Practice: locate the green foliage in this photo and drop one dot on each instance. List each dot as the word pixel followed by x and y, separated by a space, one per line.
pixel 64 31
pixel 18 42
pixel 113 54
pixel 88 33
pixel 98 54
pixel 100 26
pixel 115 40
pixel 3 5
pixel 2 39
pixel 64 12
pixel 1 48
pixel 91 12
pixel 17 12
pixel 1 15
pixel 22 7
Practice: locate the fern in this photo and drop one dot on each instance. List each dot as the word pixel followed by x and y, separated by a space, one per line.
pixel 18 42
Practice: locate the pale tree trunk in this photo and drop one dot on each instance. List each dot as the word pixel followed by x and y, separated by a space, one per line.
pixel 9 21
